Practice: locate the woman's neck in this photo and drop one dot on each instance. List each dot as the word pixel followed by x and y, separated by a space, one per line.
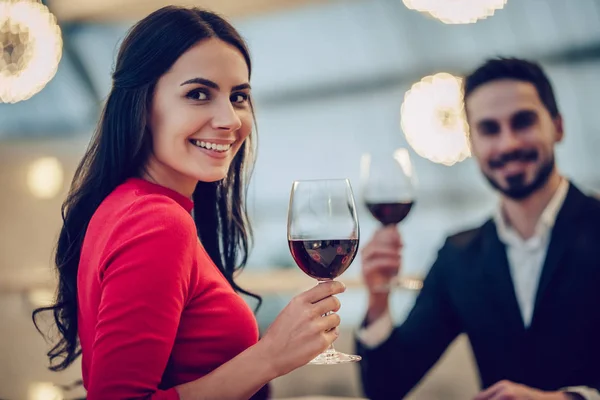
pixel 160 174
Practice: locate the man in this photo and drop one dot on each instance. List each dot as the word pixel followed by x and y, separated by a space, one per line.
pixel 524 286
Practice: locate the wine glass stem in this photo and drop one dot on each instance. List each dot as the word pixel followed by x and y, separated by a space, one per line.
pixel 330 349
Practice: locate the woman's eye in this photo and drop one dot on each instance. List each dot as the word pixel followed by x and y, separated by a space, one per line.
pixel 239 98
pixel 197 95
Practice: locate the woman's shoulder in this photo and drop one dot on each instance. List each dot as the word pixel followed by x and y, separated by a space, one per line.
pixel 138 210
pixel 159 209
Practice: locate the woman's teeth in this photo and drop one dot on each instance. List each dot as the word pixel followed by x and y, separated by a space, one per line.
pixel 211 146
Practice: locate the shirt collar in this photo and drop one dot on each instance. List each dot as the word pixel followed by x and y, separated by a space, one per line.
pixel 544 224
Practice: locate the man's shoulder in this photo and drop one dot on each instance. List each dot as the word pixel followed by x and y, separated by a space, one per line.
pixel 466 239
pixel 593 199
pixel 462 249
pixel 587 217
pixel 588 208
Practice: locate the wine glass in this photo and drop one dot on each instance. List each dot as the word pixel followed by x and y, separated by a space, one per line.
pixel 388 191
pixel 323 237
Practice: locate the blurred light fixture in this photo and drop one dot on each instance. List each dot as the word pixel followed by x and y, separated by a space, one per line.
pixel 44 391
pixel 433 119
pixel 41 297
pixel 30 49
pixel 456 11
pixel 45 177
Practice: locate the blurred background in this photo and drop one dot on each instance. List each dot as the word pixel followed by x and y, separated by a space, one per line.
pixel 330 79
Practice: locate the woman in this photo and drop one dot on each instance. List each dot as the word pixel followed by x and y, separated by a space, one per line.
pixel 146 289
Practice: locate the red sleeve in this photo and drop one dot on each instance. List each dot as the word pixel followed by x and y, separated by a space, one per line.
pixel 144 280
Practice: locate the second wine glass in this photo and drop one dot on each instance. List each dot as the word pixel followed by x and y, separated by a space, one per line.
pixel 388 187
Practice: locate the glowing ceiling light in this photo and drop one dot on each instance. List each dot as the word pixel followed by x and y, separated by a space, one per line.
pixel 30 49
pixel 433 120
pixel 457 11
pixel 45 177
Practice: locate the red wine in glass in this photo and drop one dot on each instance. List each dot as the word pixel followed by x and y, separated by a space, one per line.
pixel 389 213
pixel 323 259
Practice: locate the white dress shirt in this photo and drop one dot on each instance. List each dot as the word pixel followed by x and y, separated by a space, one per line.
pixel 525 258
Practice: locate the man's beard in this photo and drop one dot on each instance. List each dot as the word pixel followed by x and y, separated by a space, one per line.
pixel 517 188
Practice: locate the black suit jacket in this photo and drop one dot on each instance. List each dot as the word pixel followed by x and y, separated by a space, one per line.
pixel 469 289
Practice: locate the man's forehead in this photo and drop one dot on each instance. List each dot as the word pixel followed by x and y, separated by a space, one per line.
pixel 502 99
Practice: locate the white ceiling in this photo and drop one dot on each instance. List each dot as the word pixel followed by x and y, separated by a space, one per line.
pixel 303 51
pixel 120 10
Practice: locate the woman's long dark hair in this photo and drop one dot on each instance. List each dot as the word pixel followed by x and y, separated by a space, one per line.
pixel 120 148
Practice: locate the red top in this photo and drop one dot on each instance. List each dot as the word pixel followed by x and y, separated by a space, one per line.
pixel 154 310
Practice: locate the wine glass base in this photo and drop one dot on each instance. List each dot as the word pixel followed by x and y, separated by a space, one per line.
pixel 332 357
pixel 402 283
